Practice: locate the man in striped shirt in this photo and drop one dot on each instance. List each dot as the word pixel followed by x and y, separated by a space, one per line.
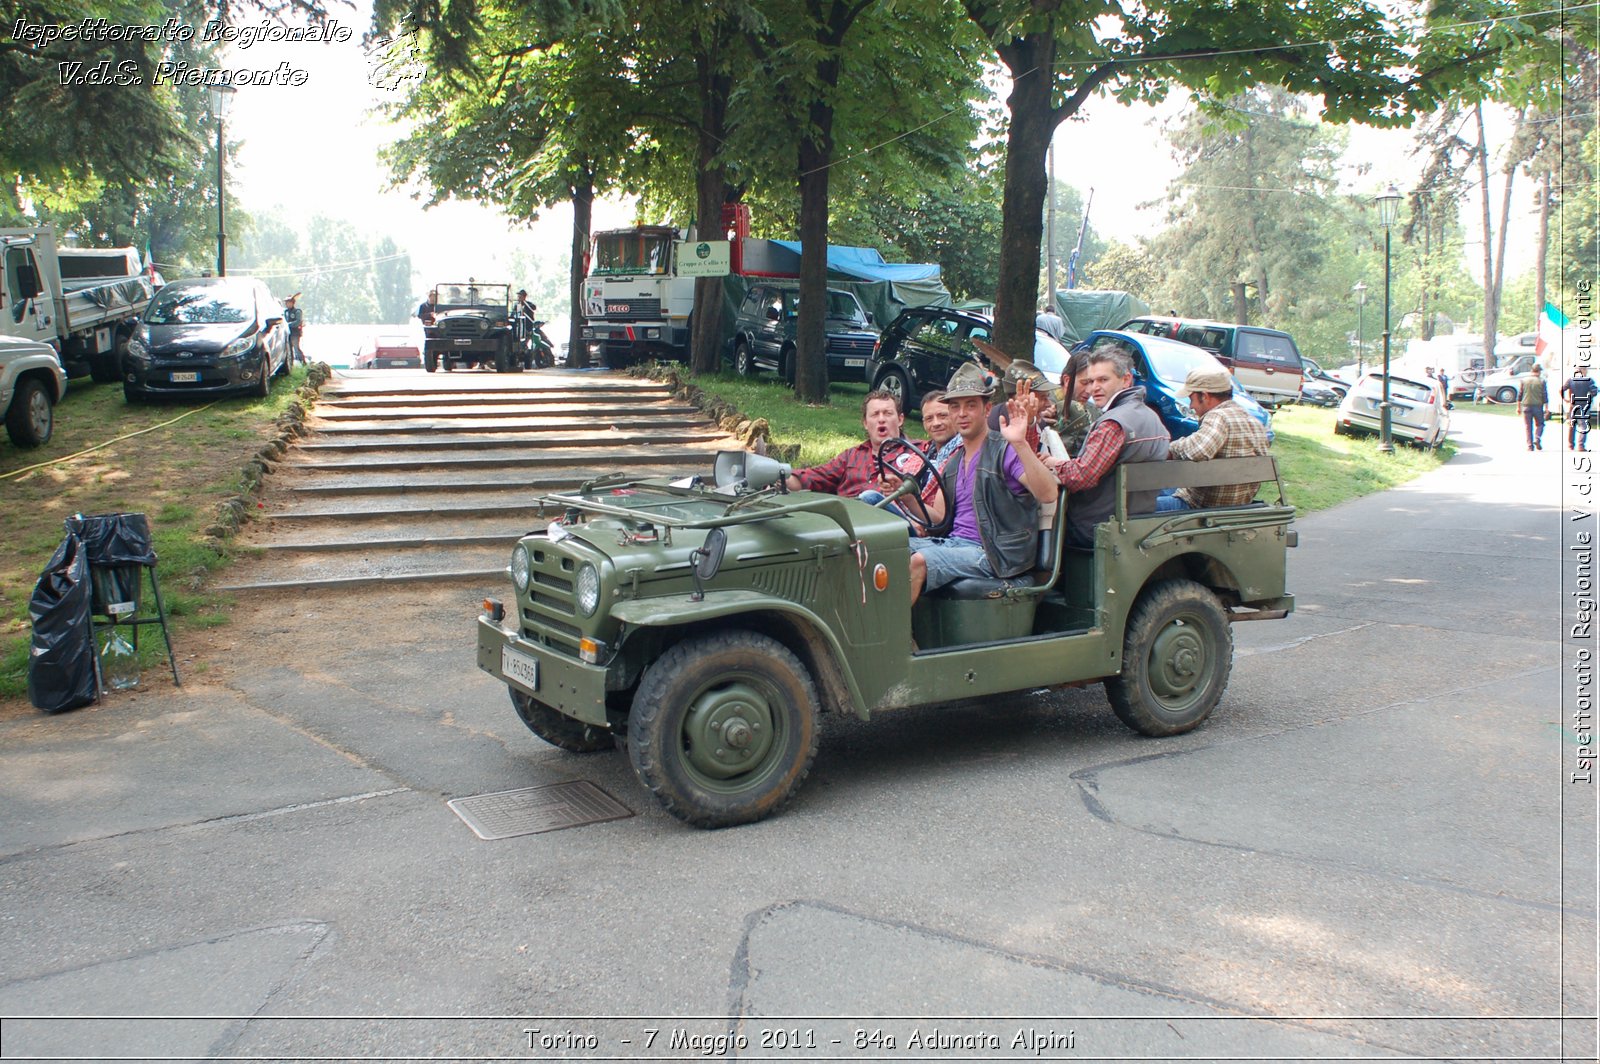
pixel 1226 431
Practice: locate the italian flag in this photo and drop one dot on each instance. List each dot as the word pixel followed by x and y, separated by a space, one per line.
pixel 1551 322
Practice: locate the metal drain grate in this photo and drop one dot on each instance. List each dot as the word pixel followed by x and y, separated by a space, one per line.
pixel 532 810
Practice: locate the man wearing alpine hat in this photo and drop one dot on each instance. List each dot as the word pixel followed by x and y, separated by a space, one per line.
pixel 996 484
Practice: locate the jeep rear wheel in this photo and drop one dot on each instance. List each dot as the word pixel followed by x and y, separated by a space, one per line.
pixel 1176 656
pixel 558 729
pixel 724 728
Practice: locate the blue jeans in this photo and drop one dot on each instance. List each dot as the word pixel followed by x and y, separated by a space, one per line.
pixel 1167 501
pixel 951 559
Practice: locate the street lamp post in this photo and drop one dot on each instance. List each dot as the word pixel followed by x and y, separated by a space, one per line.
pixel 221 100
pixel 1388 211
pixel 1360 291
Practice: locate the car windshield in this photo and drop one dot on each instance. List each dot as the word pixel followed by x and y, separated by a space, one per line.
pixel 201 305
pixel 844 305
pixel 472 294
pixel 1172 361
pixel 631 251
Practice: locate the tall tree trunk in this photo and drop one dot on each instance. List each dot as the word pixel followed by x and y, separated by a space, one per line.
pixel 582 220
pixel 1033 121
pixel 811 364
pixel 1491 298
pixel 711 188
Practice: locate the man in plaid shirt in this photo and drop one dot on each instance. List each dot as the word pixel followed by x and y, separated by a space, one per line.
pixel 851 472
pixel 1226 431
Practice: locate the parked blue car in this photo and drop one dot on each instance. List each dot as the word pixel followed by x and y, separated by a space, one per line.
pixel 1161 365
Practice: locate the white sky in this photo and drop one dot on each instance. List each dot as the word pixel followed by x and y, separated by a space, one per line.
pixel 314 148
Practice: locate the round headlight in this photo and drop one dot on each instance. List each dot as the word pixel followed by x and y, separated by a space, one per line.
pixel 588 590
pixel 519 567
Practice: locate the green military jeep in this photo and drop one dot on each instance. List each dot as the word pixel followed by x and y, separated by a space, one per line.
pixel 709 625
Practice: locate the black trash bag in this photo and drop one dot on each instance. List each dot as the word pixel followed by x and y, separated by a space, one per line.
pixel 61 666
pixel 114 539
pixel 117 546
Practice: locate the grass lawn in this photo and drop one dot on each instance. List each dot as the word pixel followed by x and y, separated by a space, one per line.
pixel 186 458
pixel 1319 468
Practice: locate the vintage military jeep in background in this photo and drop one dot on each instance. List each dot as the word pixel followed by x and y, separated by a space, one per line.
pixel 472 326
pixel 709 625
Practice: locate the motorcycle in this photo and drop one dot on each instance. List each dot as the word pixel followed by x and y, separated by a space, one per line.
pixel 537 350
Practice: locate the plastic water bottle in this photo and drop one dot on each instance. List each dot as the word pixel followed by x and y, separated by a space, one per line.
pixel 119 665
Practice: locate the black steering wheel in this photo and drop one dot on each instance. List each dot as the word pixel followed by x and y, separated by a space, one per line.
pixel 891 457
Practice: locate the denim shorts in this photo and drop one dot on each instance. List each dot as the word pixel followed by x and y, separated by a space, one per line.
pixel 951 559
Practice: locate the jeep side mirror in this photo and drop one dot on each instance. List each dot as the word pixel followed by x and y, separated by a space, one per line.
pixel 773 314
pixel 706 561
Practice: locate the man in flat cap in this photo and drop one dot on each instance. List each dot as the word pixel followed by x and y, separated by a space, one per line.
pixel 996 483
pixel 1226 431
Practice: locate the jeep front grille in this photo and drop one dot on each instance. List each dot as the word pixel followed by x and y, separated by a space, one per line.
pixel 453 327
pixel 851 346
pixel 547 617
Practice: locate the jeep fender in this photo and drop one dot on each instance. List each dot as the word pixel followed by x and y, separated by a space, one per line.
pixel 818 647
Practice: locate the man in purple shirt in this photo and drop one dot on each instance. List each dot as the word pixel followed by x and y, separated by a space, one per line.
pixel 997 484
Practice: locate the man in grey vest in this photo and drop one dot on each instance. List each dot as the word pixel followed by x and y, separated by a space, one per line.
pixel 1128 431
pixel 997 483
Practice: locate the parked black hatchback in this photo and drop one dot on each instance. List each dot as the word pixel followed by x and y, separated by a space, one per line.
pixel 764 333
pixel 207 335
pixel 925 345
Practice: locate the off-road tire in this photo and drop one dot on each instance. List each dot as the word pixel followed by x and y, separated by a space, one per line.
pixel 502 360
pixel 1177 652
pixel 755 697
pixel 31 418
pixel 560 730
pixel 743 364
pixel 787 358
pixel 430 361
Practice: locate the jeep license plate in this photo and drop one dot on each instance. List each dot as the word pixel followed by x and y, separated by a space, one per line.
pixel 854 363
pixel 463 343
pixel 185 378
pixel 519 667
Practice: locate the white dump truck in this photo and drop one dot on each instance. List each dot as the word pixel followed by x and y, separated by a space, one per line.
pixel 80 301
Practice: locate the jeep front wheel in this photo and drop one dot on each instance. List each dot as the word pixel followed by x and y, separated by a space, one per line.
pixel 724 728
pixel 31 416
pixel 558 729
pixel 430 361
pixel 1176 656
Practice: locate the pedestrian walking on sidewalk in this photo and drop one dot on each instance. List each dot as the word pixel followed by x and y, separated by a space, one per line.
pixel 1532 398
pixel 1579 394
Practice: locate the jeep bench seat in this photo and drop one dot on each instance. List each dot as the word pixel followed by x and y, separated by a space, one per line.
pixel 991 610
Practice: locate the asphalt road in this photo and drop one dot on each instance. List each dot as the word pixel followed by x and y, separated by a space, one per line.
pixel 1372 850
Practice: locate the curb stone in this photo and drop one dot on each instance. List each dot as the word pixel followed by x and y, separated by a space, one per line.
pixel 754 433
pixel 235 510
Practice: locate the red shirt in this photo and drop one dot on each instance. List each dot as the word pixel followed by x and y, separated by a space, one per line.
pixel 847 473
pixel 1098 457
